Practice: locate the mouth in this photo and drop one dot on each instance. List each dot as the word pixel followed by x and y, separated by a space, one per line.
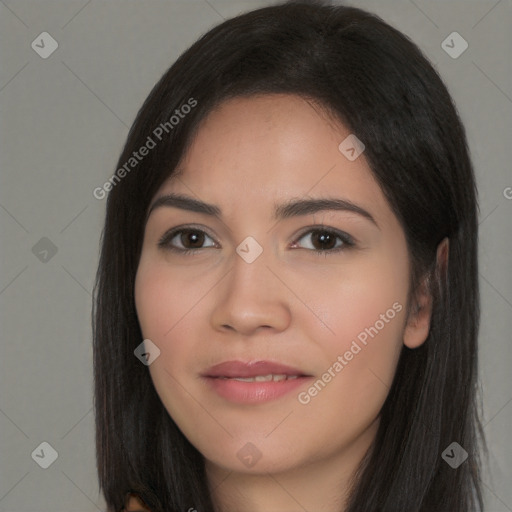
pixel 253 382
pixel 263 378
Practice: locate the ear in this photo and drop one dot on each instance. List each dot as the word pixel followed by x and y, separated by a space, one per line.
pixel 418 322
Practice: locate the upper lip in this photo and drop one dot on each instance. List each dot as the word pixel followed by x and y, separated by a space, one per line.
pixel 233 369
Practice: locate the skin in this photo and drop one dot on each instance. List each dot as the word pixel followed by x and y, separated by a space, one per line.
pixel 293 304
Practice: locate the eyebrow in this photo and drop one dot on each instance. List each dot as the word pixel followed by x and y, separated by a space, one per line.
pixel 291 208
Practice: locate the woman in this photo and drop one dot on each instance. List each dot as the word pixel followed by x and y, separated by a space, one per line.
pixel 235 369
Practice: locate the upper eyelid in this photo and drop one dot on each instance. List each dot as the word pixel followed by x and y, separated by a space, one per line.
pixel 178 229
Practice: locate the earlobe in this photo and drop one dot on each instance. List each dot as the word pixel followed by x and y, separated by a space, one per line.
pixel 418 323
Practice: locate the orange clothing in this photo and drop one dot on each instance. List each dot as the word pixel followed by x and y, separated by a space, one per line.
pixel 134 504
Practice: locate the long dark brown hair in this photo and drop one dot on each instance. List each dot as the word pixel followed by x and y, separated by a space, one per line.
pixel 377 82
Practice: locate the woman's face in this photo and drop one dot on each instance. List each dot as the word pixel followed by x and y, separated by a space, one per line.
pixel 311 292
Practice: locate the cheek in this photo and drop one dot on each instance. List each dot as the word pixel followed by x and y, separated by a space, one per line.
pixel 363 317
pixel 354 301
pixel 359 366
pixel 170 303
pixel 149 302
pixel 165 308
pixel 161 299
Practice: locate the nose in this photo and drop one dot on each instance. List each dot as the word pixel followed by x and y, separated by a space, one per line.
pixel 251 298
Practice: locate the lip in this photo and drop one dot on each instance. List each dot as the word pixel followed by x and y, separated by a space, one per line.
pixel 221 380
pixel 232 369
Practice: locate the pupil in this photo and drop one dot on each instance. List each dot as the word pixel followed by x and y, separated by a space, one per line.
pixel 193 237
pixel 324 239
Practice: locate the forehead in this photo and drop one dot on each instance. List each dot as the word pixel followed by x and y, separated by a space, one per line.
pixel 283 130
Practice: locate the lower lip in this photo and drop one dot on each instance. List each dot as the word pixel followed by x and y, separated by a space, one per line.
pixel 254 392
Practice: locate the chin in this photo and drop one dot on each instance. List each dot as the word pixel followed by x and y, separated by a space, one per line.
pixel 266 464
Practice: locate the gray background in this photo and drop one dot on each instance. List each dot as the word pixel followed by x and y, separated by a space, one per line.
pixel 64 120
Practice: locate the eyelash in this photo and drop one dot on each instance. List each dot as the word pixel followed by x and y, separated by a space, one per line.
pixel 347 241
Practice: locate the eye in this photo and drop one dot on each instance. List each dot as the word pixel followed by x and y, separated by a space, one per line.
pixel 322 240
pixel 193 237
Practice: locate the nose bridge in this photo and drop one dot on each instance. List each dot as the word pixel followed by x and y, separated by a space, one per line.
pixel 250 270
pixel 251 296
